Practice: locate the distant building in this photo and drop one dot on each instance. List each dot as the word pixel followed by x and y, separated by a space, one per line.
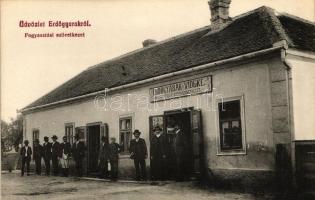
pixel 242 88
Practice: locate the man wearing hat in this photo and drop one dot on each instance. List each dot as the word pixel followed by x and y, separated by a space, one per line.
pixel 47 154
pixel 78 152
pixel 138 152
pixel 26 154
pixel 65 150
pixel 55 153
pixel 37 157
pixel 158 154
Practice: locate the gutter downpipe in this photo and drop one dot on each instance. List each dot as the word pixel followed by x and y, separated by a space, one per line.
pixel 197 68
pixel 288 65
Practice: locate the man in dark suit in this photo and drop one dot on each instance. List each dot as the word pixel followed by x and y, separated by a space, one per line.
pixel 103 157
pixel 37 156
pixel 138 152
pixel 113 155
pixel 47 154
pixel 158 154
pixel 180 147
pixel 64 156
pixel 55 153
pixel 26 154
pixel 78 153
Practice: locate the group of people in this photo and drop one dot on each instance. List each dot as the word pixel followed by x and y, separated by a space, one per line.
pixel 55 153
pixel 109 153
pixel 59 154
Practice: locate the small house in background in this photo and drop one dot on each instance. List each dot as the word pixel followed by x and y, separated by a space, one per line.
pixel 243 89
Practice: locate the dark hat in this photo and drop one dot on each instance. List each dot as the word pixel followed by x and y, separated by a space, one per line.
pixel 46 138
pixel 136 132
pixel 64 137
pixel 77 136
pixel 157 127
pixel 54 137
pixel 36 140
pixel 26 142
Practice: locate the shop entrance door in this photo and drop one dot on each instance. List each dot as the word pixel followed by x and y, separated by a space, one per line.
pixel 190 122
pixel 93 145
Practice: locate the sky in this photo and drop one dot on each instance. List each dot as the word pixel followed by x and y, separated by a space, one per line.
pixel 31 68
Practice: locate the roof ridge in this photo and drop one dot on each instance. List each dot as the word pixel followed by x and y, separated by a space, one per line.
pixel 178 36
pixel 277 25
pixel 284 14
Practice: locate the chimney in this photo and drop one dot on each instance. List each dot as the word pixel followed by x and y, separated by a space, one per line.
pixel 148 42
pixel 219 12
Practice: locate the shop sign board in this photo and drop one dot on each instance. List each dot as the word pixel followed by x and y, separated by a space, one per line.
pixel 181 89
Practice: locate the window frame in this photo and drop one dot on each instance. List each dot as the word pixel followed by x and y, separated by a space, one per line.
pixel 70 138
pixel 33 131
pixel 225 152
pixel 125 150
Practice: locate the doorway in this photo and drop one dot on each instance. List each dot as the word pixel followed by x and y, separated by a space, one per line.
pixel 181 118
pixel 190 122
pixel 93 145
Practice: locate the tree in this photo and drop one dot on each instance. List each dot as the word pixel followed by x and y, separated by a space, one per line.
pixel 11 134
pixel 4 135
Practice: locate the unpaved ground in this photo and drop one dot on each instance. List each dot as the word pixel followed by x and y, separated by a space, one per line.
pixel 32 187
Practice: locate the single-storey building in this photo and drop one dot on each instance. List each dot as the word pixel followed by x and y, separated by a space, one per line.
pixel 243 89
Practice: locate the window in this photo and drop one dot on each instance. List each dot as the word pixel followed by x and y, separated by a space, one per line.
pixel 35 134
pixel 69 133
pixel 230 123
pixel 125 131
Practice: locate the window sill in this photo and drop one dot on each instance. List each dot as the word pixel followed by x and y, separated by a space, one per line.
pixel 232 153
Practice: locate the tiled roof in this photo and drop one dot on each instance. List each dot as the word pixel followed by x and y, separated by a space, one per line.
pixel 253 31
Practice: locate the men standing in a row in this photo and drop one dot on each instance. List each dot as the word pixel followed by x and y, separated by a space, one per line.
pixel 103 158
pixel 47 154
pixel 138 152
pixel 64 155
pixel 55 153
pixel 26 153
pixel 158 154
pixel 78 149
pixel 37 157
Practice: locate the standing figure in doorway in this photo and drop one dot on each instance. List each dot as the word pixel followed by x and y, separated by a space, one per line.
pixel 180 146
pixel 138 152
pixel 37 157
pixel 55 153
pixel 26 155
pixel 78 151
pixel 158 154
pixel 64 155
pixel 103 158
pixel 47 154
pixel 113 154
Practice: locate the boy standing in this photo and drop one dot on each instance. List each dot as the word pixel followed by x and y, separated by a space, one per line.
pixel 113 154
pixel 65 150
